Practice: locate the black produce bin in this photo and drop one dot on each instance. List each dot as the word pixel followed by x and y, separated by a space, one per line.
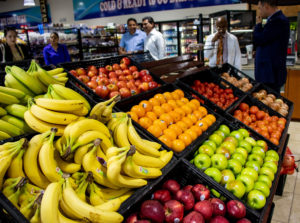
pixel 260 214
pixel 100 63
pixel 24 64
pixel 187 176
pixel 127 103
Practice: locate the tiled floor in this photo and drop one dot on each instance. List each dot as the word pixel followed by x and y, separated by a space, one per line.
pixel 287 206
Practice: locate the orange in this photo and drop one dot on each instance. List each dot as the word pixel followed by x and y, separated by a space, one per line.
pixel 180 93
pixel 192 106
pixel 207 120
pixel 182 125
pixel 184 100
pixel 151 115
pixel 197 129
pixel 168 96
pixel 154 101
pixel 178 145
pixel 186 109
pixel 158 110
pixel 186 138
pixel 175 115
pixel 211 117
pixel 176 128
pixel 166 107
pixel 133 116
pixel 175 95
pixel 193 118
pixel 155 130
pixel 160 123
pixel 187 121
pixel 146 105
pixel 145 122
pixel 139 110
pixel 160 98
pixel 180 111
pixel 167 118
pixel 202 110
pixel 203 125
pixel 170 133
pixel 195 102
pixel 179 103
pixel 166 140
pixel 198 114
pixel 192 134
pixel 172 103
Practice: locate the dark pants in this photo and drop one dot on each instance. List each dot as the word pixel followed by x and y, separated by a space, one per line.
pixel 275 87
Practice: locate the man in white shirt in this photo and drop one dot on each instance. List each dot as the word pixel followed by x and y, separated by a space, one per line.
pixel 222 47
pixel 154 42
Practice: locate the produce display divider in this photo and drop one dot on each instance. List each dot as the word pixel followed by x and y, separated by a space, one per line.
pixel 100 63
pixel 258 213
pixel 23 64
pixel 126 105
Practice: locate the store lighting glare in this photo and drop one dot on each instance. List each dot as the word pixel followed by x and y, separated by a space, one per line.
pixel 29 3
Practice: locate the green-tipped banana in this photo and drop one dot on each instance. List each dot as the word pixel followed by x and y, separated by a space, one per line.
pixel 8 99
pixel 55 71
pixel 2 111
pixel 21 124
pixel 12 82
pixel 11 91
pixel 16 110
pixel 10 129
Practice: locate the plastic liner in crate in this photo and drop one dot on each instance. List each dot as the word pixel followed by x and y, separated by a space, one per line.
pixel 187 176
pixel 23 64
pixel 127 103
pixel 259 213
pixel 250 101
pixel 210 77
pixel 100 63
pixel 141 57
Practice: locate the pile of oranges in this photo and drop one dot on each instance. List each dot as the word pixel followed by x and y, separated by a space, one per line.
pixel 172 118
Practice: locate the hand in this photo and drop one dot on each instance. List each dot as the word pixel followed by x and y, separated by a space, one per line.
pixel 258 19
pixel 217 36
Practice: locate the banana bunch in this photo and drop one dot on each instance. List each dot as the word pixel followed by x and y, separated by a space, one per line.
pixel 10 95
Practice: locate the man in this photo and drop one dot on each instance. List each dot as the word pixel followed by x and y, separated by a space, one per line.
pixel 154 42
pixel 271 41
pixel 133 40
pixel 222 47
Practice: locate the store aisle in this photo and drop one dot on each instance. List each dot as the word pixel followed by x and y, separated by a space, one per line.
pixel 287 206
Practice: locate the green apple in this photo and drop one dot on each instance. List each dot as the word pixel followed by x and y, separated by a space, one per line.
pixel 253 164
pixel 256 199
pixel 262 187
pixel 272 153
pixel 247 181
pixel 227 176
pixel 214 173
pixel 212 144
pixel 242 151
pixel 271 165
pixel 229 145
pixel 239 157
pixel 231 139
pixel 268 172
pixel 216 139
pixel 265 179
pixel 206 149
pixel 262 144
pixel 220 133
pixel 219 161
pixel 202 161
pixel 251 141
pixel 251 172
pixel 236 187
pixel 244 132
pixel 258 150
pixel 225 129
pixel 235 166
pixel 246 145
pixel 237 135
pixel 257 158
pixel 270 159
pixel 224 151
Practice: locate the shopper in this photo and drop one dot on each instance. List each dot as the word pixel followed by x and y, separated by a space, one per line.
pixel 271 41
pixel 154 42
pixel 133 40
pixel 222 47
pixel 55 53
pixel 10 50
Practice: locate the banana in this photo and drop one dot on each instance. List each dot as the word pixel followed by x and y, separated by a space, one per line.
pixel 115 123
pixel 152 144
pixel 63 219
pixel 61 79
pixel 99 108
pixel 67 210
pixel 136 140
pixel 11 91
pixel 114 151
pixel 16 110
pixel 54 95
pixel 46 159
pixel 4 135
pixel 80 191
pixel 8 99
pixel 36 217
pixel 101 154
pixel 106 114
pixel 27 210
pixel 16 167
pixel 114 204
pixel 21 124
pixel 41 126
pixel 56 76
pixel 68 106
pixel 84 210
pixel 10 185
pixel 96 198
pixel 147 161
pixel 50 203
pixel 2 112
pixel 81 112
pixel 166 156
pixel 45 78
pixel 55 71
pixel 80 152
pixel 12 82
pixel 14 198
pixel 66 166
pixel 109 194
pixel 120 134
pixel 24 101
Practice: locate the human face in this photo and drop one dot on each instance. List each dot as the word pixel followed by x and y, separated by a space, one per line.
pixel 11 37
pixel 221 26
pixel 132 26
pixel 263 10
pixel 54 39
pixel 147 26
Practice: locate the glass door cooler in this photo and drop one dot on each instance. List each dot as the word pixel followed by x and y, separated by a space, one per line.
pixel 170 33
pixel 189 34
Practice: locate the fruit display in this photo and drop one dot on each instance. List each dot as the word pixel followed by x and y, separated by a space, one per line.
pixel 243 83
pixel 116 79
pixel 172 118
pixel 237 161
pixel 219 96
pixel 270 100
pixel 270 127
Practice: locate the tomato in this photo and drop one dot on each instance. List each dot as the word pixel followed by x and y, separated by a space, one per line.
pixel 92 84
pixel 147 78
pixel 125 60
pixel 116 67
pixel 102 91
pixel 144 72
pixel 244 107
pixel 125 92
pixel 152 85
pixel 133 68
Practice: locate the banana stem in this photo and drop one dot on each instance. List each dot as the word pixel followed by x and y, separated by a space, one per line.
pixel 21 183
pixel 131 151
pixel 90 178
pixel 102 161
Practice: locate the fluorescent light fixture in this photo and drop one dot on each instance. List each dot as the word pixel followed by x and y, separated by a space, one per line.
pixel 29 3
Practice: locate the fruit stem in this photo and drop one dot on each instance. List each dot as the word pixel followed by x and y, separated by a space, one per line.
pixel 21 183
pixel 102 161
pixel 97 142
pixel 131 151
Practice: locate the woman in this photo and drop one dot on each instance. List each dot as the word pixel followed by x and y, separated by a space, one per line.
pixel 10 50
pixel 55 53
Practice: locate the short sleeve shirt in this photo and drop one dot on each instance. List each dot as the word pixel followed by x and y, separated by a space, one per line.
pixel 133 42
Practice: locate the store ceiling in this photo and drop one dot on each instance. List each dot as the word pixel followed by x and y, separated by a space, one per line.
pixel 280 2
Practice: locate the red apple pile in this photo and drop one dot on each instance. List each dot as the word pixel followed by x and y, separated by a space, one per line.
pixel 190 204
pixel 221 97
pixel 271 127
pixel 117 79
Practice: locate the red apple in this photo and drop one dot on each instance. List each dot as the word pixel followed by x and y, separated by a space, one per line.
pixel 193 217
pixel 219 208
pixel 205 208
pixel 123 66
pixel 243 220
pixel 127 72
pixel 108 68
pixel 102 70
pixel 112 74
pixel 113 80
pixel 125 60
pixel 186 197
pixel 116 67
pixel 103 81
pixel 112 87
pixel 102 91
pixel 172 186
pixel 119 73
pixel 188 187
pixel 174 211
pixel 125 92
pixel 147 78
pixel 236 209
pixel 74 73
pixel 144 72
pixel 162 196
pixel 113 93
pixel 153 210
pixel 144 86
pixel 200 192
pixel 133 218
pixel 84 78
pixel 133 68
pixel 121 84
pixel 92 84
pixel 136 74
pixel 219 219
pixel 81 71
pixel 152 85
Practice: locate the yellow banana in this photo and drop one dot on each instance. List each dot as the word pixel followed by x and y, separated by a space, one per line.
pixel 80 152
pixel 11 91
pixel 45 78
pixel 67 210
pixel 10 129
pixel 109 194
pixel 166 156
pixel 114 151
pixel 63 219
pixel 16 167
pixel 27 210
pixel 55 71
pixel 10 185
pixel 81 112
pixel 12 82
pixel 66 166
pixel 59 105
pixel 60 75
pixel 80 191
pixel 4 135
pixel 14 198
pixel 95 198
pixel 114 204
pixel 147 161
pixel 106 114
pixel 36 218
pixel 120 134
pixel 16 110
pixel 98 109
pixel 152 144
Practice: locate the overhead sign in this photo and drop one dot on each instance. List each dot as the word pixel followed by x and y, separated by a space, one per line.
pixel 89 9
pixel 44 11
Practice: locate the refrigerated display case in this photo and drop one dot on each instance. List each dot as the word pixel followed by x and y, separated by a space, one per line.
pixel 170 33
pixel 189 31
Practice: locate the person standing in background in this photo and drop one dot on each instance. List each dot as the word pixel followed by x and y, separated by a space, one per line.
pixel 154 42
pixel 133 40
pixel 271 42
pixel 55 53
pixel 10 50
pixel 222 47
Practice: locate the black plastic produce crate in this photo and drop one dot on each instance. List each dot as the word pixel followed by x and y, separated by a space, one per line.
pixel 23 64
pixel 260 214
pixel 100 63
pixel 187 176
pixel 126 104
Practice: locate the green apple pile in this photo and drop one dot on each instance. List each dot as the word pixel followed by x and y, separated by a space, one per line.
pixel 240 163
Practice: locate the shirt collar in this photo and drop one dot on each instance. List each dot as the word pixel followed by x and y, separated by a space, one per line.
pixel 134 34
pixel 152 31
